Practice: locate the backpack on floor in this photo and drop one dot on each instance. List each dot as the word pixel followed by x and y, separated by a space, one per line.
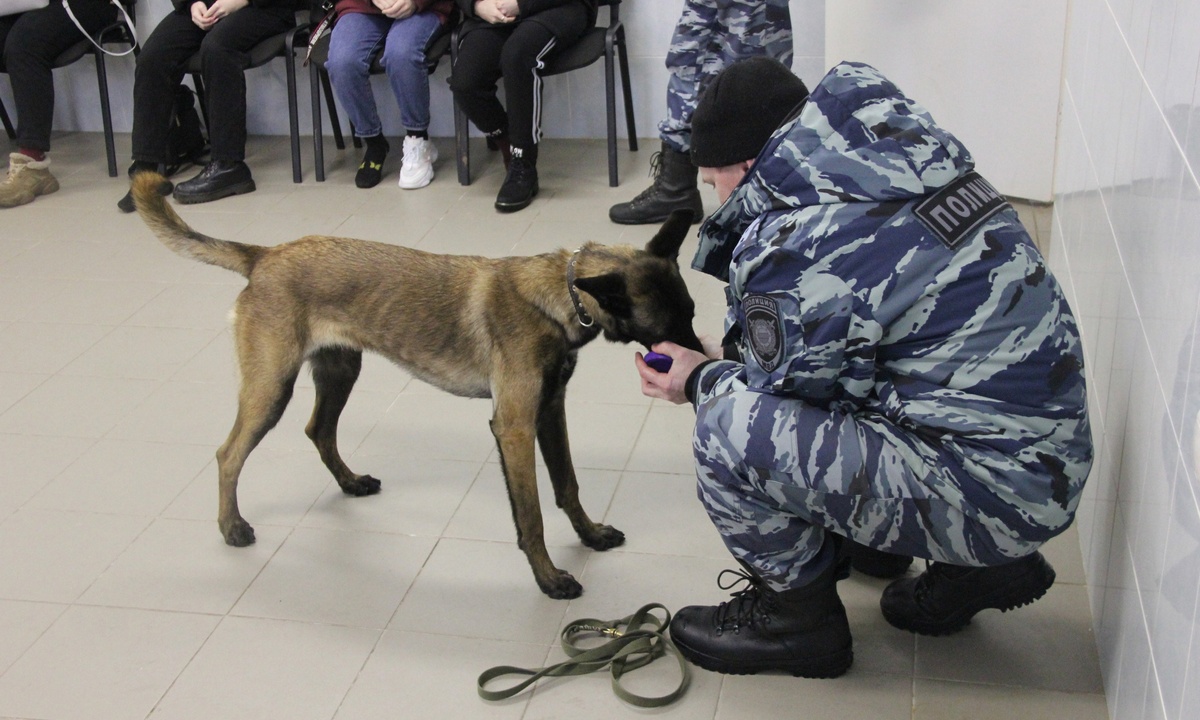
pixel 186 143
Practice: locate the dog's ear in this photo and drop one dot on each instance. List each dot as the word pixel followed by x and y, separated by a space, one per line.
pixel 671 235
pixel 609 291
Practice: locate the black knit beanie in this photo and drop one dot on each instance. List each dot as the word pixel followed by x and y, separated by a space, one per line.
pixel 740 109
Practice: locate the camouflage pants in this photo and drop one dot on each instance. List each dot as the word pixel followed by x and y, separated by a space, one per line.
pixel 710 35
pixel 777 475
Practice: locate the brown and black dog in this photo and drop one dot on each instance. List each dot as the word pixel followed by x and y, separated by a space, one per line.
pixel 505 328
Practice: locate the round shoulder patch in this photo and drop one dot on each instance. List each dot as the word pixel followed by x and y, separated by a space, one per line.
pixel 764 330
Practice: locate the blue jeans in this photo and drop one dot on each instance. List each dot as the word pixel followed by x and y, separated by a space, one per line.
pixel 355 40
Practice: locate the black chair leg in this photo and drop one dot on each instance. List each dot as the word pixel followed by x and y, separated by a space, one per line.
pixel 106 114
pixel 623 56
pixel 314 88
pixel 8 126
pixel 293 109
pixel 333 116
pixel 610 101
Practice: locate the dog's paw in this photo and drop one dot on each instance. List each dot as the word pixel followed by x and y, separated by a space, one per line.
pixel 361 485
pixel 606 537
pixel 563 587
pixel 238 533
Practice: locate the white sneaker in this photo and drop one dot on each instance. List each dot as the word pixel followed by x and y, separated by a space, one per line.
pixel 419 156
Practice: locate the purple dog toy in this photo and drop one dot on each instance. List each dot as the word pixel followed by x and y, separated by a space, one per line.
pixel 659 362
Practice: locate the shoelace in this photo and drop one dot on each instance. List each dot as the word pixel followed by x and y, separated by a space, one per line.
pixel 747 604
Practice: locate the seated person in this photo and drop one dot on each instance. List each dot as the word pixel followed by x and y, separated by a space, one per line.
pixel 903 373
pixel 509 39
pixel 223 32
pixel 30 41
pixel 404 28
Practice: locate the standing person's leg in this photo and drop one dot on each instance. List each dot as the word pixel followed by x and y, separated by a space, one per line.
pixel 674 186
pixel 404 61
pixel 224 57
pixel 356 38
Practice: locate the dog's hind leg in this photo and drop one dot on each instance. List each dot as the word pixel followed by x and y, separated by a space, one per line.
pixel 556 451
pixel 261 401
pixel 513 424
pixel 335 370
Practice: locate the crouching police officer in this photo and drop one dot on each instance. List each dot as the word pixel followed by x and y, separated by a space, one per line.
pixel 902 375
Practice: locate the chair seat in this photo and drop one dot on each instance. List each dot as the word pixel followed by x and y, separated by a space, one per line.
pixel 578 55
pixel 260 54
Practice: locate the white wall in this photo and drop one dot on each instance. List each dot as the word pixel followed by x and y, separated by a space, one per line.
pixel 987 71
pixel 1126 245
pixel 574 103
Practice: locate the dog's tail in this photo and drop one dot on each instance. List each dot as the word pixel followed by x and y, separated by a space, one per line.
pixel 162 219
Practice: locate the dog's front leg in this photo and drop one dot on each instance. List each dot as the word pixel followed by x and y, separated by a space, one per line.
pixel 556 451
pixel 513 425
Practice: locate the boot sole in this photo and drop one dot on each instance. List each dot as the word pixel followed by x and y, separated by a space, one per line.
pixel 823 667
pixel 1002 599
pixel 230 191
pixel 513 207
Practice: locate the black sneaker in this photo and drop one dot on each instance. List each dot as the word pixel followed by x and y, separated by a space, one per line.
pixel 520 183
pixel 803 631
pixel 125 204
pixel 875 563
pixel 944 598
pixel 219 179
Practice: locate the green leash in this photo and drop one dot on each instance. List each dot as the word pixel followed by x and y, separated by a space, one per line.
pixel 641 642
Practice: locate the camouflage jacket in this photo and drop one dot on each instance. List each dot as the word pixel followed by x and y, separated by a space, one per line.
pixel 871 271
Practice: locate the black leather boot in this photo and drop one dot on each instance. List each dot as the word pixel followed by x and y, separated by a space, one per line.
pixel 674 188
pixel 218 179
pixel 802 631
pixel 520 183
pixel 875 563
pixel 125 204
pixel 944 598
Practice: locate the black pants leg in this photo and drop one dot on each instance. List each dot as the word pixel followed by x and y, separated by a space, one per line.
pixel 224 57
pixel 31 41
pixel 515 52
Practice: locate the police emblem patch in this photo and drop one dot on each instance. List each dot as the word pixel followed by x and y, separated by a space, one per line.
pixel 764 330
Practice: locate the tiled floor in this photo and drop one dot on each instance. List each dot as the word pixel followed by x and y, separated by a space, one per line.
pixel 118 598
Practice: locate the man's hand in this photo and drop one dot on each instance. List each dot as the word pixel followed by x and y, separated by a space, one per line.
pixel 206 17
pixel 671 385
pixel 489 11
pixel 396 9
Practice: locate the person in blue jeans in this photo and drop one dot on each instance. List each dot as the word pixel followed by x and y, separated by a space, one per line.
pixel 402 28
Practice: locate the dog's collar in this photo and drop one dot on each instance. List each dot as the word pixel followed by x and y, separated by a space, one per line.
pixel 584 319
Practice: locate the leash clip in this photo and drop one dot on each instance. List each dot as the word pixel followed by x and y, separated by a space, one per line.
pixel 602 629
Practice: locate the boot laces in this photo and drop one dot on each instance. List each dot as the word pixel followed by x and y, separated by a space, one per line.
pixel 750 605
pixel 651 192
pixel 935 573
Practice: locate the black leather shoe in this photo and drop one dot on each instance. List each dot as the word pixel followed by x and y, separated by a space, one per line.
pixel 218 179
pixel 125 204
pixel 803 631
pixel 520 184
pixel 944 598
pixel 875 563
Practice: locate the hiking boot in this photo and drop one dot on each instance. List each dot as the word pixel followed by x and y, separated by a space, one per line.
pixel 875 563
pixel 520 183
pixel 944 598
pixel 674 188
pixel 419 156
pixel 802 631
pixel 165 188
pixel 370 170
pixel 219 179
pixel 27 178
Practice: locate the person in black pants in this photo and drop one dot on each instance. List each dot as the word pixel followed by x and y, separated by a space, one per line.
pixel 223 32
pixel 30 41
pixel 509 39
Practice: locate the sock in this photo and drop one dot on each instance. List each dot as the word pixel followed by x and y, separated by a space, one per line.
pixel 423 134
pixel 370 172
pixel 37 155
